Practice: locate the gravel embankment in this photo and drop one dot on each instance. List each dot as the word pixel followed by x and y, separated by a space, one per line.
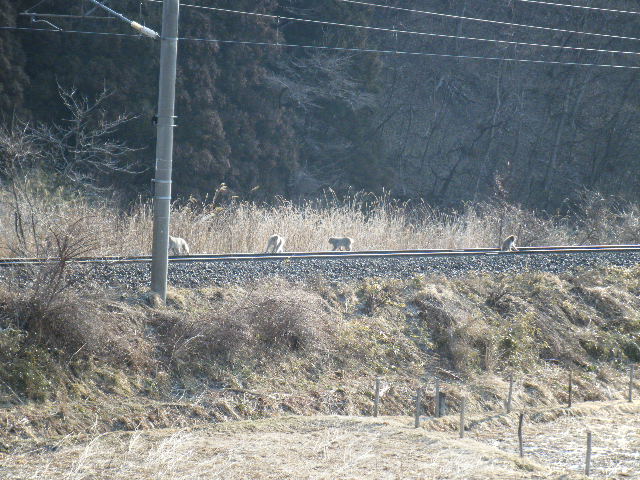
pixel 136 276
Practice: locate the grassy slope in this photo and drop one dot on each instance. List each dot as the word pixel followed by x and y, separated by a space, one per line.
pixel 106 364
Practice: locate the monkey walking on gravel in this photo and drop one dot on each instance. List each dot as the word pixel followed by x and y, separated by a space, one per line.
pixel 340 243
pixel 178 246
pixel 509 244
pixel 275 244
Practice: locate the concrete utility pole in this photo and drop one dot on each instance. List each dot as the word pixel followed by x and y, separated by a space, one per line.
pixel 164 147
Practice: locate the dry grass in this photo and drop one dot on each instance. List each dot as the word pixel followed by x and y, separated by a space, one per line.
pixel 256 324
pixel 373 223
pixel 310 339
pixel 290 448
pixel 279 348
pixel 74 323
pixel 328 447
pixel 557 437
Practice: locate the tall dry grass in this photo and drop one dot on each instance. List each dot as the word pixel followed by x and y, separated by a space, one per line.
pixel 348 447
pixel 374 222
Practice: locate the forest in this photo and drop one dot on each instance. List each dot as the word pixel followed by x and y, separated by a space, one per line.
pixel 442 101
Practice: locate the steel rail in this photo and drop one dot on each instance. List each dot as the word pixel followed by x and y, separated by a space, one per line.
pixel 548 249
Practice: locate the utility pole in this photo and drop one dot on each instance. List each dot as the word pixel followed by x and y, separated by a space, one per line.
pixel 164 147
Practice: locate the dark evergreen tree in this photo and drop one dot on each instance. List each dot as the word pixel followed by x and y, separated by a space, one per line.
pixel 294 120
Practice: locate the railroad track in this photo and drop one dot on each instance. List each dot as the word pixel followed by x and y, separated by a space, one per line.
pixel 538 250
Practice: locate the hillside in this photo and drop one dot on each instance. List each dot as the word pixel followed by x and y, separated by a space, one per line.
pixel 403 124
pixel 532 101
pixel 78 367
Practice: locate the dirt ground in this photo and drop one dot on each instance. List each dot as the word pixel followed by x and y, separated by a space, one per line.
pixel 330 447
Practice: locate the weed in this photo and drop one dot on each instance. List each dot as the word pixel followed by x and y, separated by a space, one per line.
pixel 373 222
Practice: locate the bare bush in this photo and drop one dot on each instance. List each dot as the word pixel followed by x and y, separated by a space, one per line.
pixel 76 325
pixel 277 318
pixel 289 318
pixel 46 305
pixel 605 219
pixel 46 168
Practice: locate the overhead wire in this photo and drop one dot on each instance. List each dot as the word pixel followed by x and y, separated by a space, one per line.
pixel 346 49
pixel 585 7
pixel 84 32
pixel 404 52
pixel 341 49
pixel 405 32
pixel 485 20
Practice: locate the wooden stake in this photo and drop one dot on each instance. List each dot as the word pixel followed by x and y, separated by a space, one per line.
pixel 436 410
pixel 442 404
pixel 376 401
pixel 570 387
pixel 587 466
pixel 417 414
pixel 520 422
pixel 631 368
pixel 462 405
pixel 510 396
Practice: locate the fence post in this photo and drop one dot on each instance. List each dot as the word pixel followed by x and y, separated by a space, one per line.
pixel 436 401
pixel 442 404
pixel 376 401
pixel 587 466
pixel 631 368
pixel 462 405
pixel 417 414
pixel 510 396
pixel 520 422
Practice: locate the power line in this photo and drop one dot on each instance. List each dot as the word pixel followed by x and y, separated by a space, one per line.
pixel 406 32
pixel 401 52
pixel 130 35
pixel 610 10
pixel 484 20
pixel 340 49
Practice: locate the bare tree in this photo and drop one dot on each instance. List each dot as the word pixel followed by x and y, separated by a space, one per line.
pixel 84 145
pixel 36 160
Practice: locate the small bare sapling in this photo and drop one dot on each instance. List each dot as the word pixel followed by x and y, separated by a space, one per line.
pixel 509 244
pixel 275 244
pixel 178 246
pixel 341 243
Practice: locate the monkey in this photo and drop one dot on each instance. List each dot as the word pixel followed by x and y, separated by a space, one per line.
pixel 178 246
pixel 509 244
pixel 275 244
pixel 341 242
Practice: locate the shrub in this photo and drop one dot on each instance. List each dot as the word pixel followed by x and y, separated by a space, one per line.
pixel 73 325
pixel 278 318
pixel 288 318
pixel 25 369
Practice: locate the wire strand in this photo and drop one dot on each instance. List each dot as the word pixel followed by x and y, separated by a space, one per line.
pixel 484 20
pixel 599 9
pixel 406 32
pixel 83 32
pixel 402 52
pixel 341 49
